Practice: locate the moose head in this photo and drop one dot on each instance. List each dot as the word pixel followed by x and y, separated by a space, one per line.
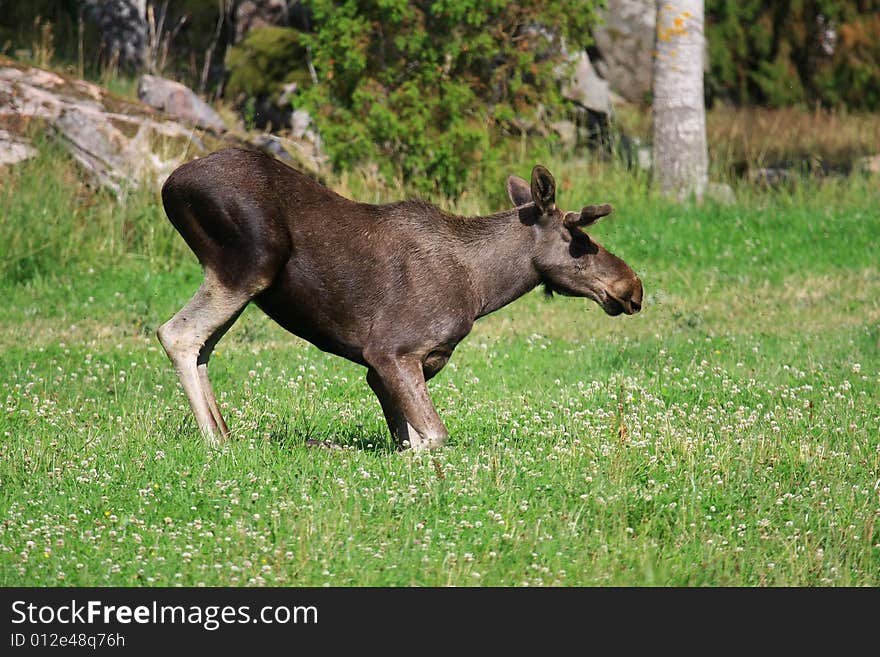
pixel 569 261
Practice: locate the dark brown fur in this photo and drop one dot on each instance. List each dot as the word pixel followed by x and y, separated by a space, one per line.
pixel 393 287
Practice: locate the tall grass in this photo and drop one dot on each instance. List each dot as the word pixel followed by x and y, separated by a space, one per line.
pixel 747 138
pixel 814 139
pixel 51 223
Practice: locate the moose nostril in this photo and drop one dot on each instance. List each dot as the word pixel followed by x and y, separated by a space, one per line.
pixel 628 294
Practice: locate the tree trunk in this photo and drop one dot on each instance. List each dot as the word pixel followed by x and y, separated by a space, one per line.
pixel 124 30
pixel 680 157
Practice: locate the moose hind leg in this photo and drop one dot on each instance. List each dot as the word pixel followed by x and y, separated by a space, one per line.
pixel 199 324
pixel 207 388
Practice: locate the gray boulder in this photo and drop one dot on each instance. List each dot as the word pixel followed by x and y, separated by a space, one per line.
pixel 119 143
pixel 14 149
pixel 123 29
pixel 626 43
pixel 721 193
pixel 868 164
pixel 585 87
pixel 253 14
pixel 179 102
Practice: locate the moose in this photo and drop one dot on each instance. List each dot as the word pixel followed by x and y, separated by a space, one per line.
pixel 393 287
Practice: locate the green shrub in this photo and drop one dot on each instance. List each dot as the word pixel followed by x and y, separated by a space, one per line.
pixel 265 60
pixel 853 79
pixel 427 88
pixel 778 81
pixel 790 52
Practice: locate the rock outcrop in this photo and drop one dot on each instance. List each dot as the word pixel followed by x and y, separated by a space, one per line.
pixel 14 149
pixel 117 142
pixel 585 87
pixel 178 101
pixel 120 143
pixel 626 44
pixel 123 28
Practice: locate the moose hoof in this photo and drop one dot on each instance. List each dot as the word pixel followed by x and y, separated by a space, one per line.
pixel 213 439
pixel 419 444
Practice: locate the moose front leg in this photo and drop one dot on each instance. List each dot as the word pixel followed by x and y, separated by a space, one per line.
pixel 400 429
pixel 400 386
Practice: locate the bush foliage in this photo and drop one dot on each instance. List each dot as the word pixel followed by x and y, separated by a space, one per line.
pixel 429 89
pixel 264 61
pixel 853 78
pixel 788 52
pixel 423 88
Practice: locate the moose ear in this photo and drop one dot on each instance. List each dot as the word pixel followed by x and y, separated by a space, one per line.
pixel 518 191
pixel 543 190
pixel 588 216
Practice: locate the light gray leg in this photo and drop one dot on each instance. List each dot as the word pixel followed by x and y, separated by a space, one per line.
pixel 211 310
pixel 208 391
pixel 207 388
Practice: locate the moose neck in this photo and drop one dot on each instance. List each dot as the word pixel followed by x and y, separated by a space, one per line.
pixel 498 252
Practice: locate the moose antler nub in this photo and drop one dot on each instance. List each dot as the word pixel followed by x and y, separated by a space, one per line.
pixel 588 216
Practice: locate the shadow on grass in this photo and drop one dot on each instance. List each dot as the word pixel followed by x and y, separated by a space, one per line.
pixel 356 438
pixel 286 434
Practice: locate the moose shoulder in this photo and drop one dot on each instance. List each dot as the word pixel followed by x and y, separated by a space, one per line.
pixel 393 287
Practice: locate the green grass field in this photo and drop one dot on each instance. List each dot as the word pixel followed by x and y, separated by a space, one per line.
pixel 727 435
